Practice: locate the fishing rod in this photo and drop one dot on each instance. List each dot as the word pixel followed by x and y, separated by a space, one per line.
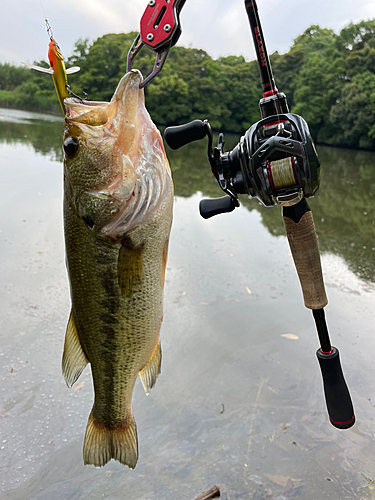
pixel 277 163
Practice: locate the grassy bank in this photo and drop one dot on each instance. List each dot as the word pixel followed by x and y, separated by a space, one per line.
pixel 29 97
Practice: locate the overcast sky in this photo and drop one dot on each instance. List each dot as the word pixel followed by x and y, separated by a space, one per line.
pixel 218 26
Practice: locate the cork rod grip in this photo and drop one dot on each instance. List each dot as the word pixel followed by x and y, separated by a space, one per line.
pixel 304 247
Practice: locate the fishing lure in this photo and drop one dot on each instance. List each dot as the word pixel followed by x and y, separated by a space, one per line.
pixel 57 68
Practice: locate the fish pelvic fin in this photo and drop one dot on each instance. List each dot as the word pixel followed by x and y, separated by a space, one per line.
pixel 130 267
pixel 152 370
pixel 119 442
pixel 74 359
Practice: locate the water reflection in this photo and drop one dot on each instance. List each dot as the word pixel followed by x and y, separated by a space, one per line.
pixel 344 208
pixel 42 132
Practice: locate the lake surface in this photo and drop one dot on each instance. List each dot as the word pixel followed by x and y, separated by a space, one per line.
pixel 238 404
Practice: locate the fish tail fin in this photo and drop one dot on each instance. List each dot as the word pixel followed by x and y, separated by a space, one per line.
pixel 125 443
pixel 102 444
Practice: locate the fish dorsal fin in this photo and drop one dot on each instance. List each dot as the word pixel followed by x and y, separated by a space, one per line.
pixel 74 359
pixel 130 266
pixel 152 370
pixel 73 69
pixel 39 68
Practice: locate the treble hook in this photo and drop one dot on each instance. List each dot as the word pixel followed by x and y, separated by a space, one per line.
pixel 70 92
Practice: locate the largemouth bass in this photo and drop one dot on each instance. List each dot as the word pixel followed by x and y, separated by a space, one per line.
pixel 118 197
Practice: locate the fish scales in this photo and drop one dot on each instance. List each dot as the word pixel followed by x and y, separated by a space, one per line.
pixel 119 322
pixel 117 220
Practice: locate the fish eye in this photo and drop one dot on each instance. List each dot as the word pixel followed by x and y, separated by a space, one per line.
pixel 70 146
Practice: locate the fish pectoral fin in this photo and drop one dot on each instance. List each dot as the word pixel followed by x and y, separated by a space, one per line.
pixel 119 442
pixel 74 359
pixel 130 266
pixel 38 68
pixel 152 370
pixel 73 69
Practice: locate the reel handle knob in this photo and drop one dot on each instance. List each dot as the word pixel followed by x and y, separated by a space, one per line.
pixel 178 136
pixel 216 206
pixel 338 400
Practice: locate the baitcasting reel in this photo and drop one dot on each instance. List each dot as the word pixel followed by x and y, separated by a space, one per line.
pixel 275 161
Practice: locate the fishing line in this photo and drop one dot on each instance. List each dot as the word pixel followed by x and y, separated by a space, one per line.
pixel 48 26
pixel 44 14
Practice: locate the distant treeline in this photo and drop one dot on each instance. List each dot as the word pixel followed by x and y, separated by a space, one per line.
pixel 329 79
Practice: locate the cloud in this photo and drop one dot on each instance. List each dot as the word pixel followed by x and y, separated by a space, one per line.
pixel 106 16
pixel 218 26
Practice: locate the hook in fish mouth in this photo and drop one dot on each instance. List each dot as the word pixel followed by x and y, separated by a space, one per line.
pixel 71 93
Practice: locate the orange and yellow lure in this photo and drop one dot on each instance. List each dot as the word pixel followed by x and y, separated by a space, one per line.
pixel 56 69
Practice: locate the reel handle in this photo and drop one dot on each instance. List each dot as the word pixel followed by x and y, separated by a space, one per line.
pixel 216 206
pixel 338 400
pixel 178 136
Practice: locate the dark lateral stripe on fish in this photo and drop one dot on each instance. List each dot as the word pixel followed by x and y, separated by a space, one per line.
pixel 109 307
pixel 103 256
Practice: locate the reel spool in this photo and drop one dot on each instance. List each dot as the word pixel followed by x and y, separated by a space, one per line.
pixel 279 162
pixel 281 173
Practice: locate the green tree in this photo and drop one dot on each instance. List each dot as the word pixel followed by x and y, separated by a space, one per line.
pixel 12 77
pixel 353 114
pixel 358 36
pixel 328 79
pixel 167 99
pixel 101 64
pixel 319 80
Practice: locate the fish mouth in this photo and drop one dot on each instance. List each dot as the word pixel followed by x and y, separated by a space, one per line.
pixel 80 111
pixel 122 107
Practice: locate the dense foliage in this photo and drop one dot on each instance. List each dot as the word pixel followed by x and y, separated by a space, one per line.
pixel 329 79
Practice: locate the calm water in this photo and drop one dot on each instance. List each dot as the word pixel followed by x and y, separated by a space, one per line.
pixel 237 404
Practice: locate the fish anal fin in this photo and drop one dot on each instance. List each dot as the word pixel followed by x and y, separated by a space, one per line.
pixel 74 359
pixel 119 442
pixel 130 267
pixel 152 370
